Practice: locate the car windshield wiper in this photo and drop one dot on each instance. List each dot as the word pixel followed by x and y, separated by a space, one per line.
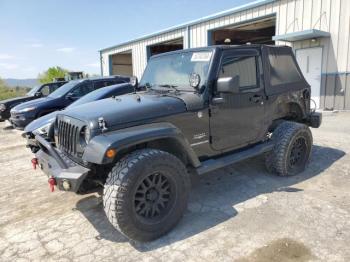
pixel 170 86
pixel 147 85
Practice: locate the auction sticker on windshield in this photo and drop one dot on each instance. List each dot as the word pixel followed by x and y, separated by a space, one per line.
pixel 201 57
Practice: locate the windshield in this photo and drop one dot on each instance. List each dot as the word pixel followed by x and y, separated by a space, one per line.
pixel 63 90
pixel 176 69
pixel 92 96
pixel 33 91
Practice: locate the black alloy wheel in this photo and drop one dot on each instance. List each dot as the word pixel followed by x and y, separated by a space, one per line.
pixel 154 197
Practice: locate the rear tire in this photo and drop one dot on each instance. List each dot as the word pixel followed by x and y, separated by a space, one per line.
pixel 291 153
pixel 146 194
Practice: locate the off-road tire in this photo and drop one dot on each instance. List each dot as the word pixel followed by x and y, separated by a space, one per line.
pixel 121 189
pixel 287 136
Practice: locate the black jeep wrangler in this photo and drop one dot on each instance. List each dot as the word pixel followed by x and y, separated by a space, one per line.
pixel 204 109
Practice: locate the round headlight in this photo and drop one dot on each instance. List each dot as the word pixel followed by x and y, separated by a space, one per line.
pixel 43 130
pixel 2 107
pixel 195 80
pixel 86 135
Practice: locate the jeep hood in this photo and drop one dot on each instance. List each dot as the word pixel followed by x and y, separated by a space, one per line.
pixel 127 109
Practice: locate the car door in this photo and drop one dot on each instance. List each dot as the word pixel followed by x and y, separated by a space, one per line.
pixel 236 119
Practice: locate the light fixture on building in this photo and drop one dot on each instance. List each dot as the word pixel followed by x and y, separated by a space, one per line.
pixel 313 40
pixel 227 41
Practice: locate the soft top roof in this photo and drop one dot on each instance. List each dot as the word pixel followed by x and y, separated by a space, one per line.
pixel 222 47
pixel 281 69
pixel 282 72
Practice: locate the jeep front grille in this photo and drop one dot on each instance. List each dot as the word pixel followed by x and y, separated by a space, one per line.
pixel 68 137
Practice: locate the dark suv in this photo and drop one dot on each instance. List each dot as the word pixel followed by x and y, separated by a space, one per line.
pixel 205 108
pixel 34 93
pixel 23 114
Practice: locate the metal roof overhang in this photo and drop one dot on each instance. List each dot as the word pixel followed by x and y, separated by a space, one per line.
pixel 301 35
pixel 234 10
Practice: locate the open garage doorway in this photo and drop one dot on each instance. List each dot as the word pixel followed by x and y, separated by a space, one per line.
pixel 257 32
pixel 172 45
pixel 121 64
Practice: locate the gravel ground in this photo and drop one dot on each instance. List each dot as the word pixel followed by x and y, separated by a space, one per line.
pixel 238 213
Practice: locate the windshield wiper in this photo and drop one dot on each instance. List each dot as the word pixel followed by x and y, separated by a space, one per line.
pixel 147 85
pixel 170 86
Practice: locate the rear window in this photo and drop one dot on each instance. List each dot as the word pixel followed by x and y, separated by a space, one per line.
pixel 283 69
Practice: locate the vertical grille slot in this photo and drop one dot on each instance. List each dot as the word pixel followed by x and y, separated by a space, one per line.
pixel 68 137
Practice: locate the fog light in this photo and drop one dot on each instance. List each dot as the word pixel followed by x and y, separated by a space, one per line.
pixel 66 185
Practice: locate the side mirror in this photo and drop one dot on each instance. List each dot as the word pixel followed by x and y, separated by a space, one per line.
pixel 228 85
pixel 134 81
pixel 38 94
pixel 70 96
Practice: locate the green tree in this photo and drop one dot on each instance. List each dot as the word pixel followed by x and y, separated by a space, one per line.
pixel 6 92
pixel 50 74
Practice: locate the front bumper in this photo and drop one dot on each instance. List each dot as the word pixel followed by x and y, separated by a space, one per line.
pixel 20 121
pixel 4 115
pixel 58 166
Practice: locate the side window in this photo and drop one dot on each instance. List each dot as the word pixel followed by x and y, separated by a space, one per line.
pixel 45 90
pixel 115 82
pixel 244 67
pixel 283 69
pixel 54 87
pixel 82 89
pixel 99 84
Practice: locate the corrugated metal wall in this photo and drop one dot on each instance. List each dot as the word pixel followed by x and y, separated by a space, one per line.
pixel 291 16
pixel 139 50
pixel 332 16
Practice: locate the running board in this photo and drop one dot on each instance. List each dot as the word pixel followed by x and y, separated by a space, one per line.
pixel 213 164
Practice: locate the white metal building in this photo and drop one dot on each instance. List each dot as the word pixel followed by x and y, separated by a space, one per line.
pixel 318 31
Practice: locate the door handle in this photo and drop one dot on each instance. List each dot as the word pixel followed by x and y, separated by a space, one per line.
pixel 256 99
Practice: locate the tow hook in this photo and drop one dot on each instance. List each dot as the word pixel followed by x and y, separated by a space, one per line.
pixel 34 163
pixel 52 183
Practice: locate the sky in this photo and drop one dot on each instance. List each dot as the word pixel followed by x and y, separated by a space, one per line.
pixel 37 34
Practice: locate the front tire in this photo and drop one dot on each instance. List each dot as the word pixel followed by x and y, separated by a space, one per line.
pixel 146 194
pixel 291 153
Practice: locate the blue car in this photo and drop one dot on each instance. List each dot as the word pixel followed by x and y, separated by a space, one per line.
pixel 41 126
pixel 25 113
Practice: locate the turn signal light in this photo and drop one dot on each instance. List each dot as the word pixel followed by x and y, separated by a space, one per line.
pixel 111 153
pixel 66 185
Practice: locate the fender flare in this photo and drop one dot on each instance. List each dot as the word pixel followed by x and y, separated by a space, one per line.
pixel 95 151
